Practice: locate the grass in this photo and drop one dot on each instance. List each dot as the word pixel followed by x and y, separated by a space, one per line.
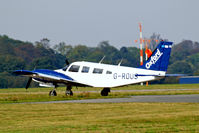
pixel 104 117
pixel 130 87
pixel 41 94
pixel 97 118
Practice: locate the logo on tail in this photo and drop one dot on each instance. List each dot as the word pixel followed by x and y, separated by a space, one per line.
pixel 154 59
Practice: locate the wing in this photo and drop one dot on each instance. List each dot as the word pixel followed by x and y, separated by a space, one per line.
pixel 47 76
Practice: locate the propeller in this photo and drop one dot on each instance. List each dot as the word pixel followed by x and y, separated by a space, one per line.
pixel 28 84
pixel 67 63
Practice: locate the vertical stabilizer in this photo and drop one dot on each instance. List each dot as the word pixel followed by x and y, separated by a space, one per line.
pixel 159 59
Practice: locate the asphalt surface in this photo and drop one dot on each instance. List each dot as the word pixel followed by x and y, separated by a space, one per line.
pixel 148 98
pixel 153 90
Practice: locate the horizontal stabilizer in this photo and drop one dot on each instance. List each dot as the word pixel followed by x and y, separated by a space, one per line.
pixel 166 75
pixel 175 75
pixel 150 75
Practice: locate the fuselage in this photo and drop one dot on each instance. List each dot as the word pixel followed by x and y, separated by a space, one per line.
pixel 105 75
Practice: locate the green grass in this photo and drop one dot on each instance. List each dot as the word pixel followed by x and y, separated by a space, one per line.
pixel 130 87
pixel 41 94
pixel 104 117
pixel 97 118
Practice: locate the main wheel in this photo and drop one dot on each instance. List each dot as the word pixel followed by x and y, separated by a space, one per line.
pixel 69 93
pixel 53 93
pixel 105 91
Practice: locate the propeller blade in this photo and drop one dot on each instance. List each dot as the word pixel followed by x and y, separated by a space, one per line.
pixel 28 84
pixel 67 63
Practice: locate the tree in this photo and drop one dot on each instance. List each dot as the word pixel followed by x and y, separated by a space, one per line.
pixel 112 54
pixel 45 42
pixel 180 67
pixel 153 42
pixel 79 52
pixel 11 63
pixel 182 51
pixel 62 48
pixel 130 56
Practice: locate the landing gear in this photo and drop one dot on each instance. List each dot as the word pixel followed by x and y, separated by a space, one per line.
pixel 69 91
pixel 53 93
pixel 105 91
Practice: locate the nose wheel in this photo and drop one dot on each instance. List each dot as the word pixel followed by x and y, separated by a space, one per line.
pixel 53 93
pixel 105 92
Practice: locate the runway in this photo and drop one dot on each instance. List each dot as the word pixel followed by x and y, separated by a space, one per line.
pixel 148 98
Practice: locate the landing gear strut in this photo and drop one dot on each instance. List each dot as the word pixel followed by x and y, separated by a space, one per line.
pixel 105 91
pixel 69 91
pixel 53 92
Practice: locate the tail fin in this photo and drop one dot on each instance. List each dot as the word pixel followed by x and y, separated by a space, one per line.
pixel 159 59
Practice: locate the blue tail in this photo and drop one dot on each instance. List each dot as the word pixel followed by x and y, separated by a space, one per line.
pixel 159 59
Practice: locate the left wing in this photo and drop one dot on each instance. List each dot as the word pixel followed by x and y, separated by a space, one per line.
pixel 46 76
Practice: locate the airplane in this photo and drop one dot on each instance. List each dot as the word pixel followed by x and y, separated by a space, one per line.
pixel 101 75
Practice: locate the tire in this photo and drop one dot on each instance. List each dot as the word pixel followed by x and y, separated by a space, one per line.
pixel 53 93
pixel 104 92
pixel 69 93
pixel 50 93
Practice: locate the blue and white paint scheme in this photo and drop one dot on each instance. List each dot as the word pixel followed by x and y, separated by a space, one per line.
pixel 103 75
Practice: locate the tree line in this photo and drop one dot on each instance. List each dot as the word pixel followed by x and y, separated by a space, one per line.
pixel 19 55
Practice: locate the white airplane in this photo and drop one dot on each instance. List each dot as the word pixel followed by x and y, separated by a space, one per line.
pixel 102 75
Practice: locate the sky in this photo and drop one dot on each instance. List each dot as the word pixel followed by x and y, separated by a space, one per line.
pixel 89 22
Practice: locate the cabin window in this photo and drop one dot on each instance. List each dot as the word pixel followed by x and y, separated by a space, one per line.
pixel 108 72
pixel 85 69
pixel 74 68
pixel 97 70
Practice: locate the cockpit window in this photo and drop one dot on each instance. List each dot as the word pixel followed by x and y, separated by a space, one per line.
pixel 108 72
pixel 85 69
pixel 65 68
pixel 97 70
pixel 74 68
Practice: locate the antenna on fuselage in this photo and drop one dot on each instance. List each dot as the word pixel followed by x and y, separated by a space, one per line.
pixel 102 59
pixel 120 62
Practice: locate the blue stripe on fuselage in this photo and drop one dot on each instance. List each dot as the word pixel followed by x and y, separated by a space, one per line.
pixel 52 73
